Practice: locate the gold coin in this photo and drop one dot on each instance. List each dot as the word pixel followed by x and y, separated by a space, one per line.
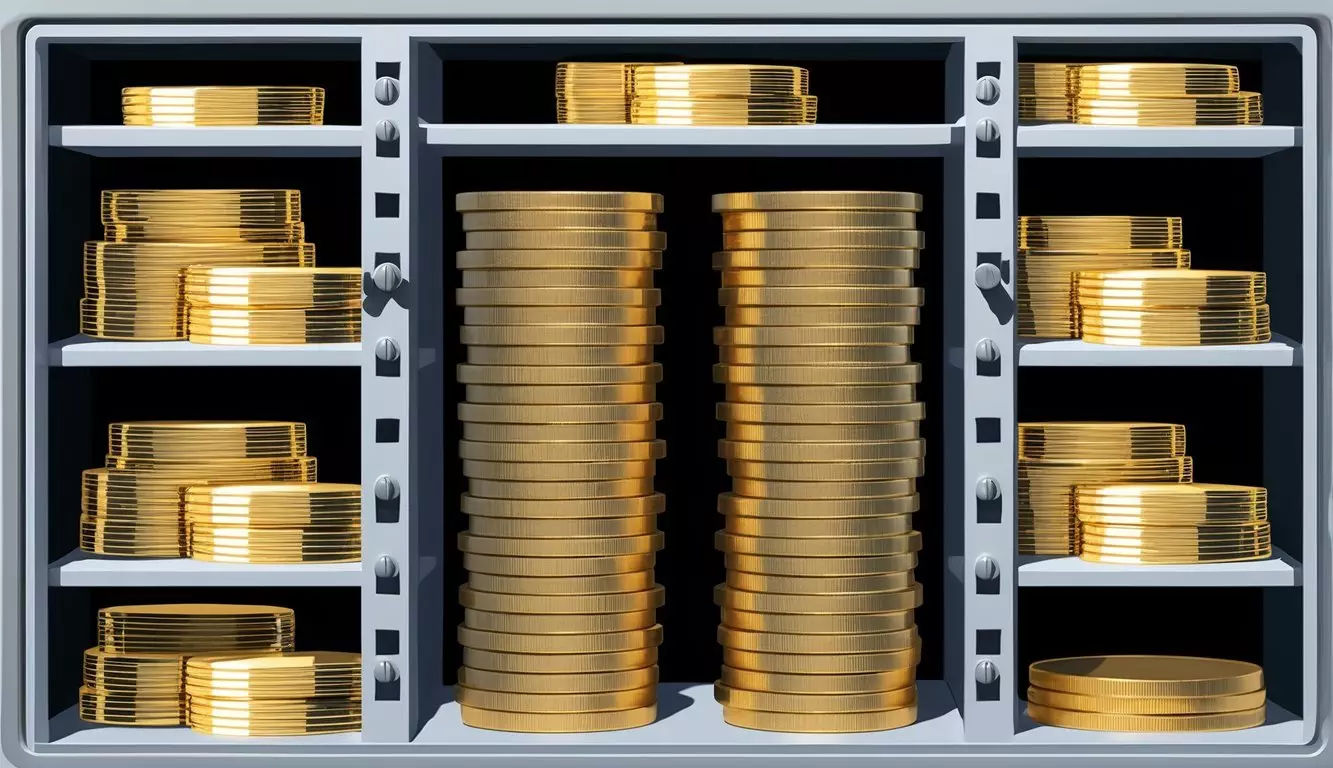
pixel 814 336
pixel 1067 233
pixel 819 258
pixel 634 645
pixel 624 602
pixel 820 566
pixel 635 581
pixel 813 358
pixel 787 528
pixel 562 239
pixel 758 278
pixel 557 567
pixel 817 201
pixel 559 315
pixel 1097 721
pixel 558 624
pixel 821 452
pixel 1146 676
pixel 823 433
pixel 819 491
pixel 768 642
pixel 1140 705
pixel 551 355
pixel 563 452
pixel 820 413
pixel 511 527
pixel 635 506
pixel 602 258
pixel 1100 440
pixel 788 316
pixel 549 435
pixel 523 490
pixel 768 701
pixel 582 722
pixel 558 201
pixel 769 375
pixel 832 664
pixel 210 207
pixel 820 296
pixel 869 682
pixel 556 219
pixel 544 297
pixel 552 375
pixel 606 547
pixel 819 623
pixel 815 220
pixel 809 472
pixel 822 238
pixel 805 722
pixel 835 394
pixel 584 682
pixel 550 471
pixel 568 335
pixel 896 544
pixel 609 701
pixel 559 414
pixel 866 602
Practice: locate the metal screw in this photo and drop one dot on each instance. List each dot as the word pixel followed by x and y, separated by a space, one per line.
pixel 987 672
pixel 386 90
pixel 986 568
pixel 387 349
pixel 988 351
pixel 386 130
pixel 987 276
pixel 387 568
pixel 387 277
pixel 988 90
pixel 385 672
pixel 988 130
pixel 988 488
pixel 386 488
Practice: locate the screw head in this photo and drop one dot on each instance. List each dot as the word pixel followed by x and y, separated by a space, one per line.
pixel 988 488
pixel 987 276
pixel 988 130
pixel 988 90
pixel 386 488
pixel 385 671
pixel 386 90
pixel 386 130
pixel 386 567
pixel 988 351
pixel 387 349
pixel 987 569
pixel 987 672
pixel 387 277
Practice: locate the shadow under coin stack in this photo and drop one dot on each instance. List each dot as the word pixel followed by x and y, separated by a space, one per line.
pixel 1054 457
pixel 1053 249
pixel 132 280
pixel 823 445
pixel 1147 694
pixel 132 506
pixel 1182 307
pixel 1169 523
pixel 222 105
pixel 273 305
pixel 135 675
pixel 274 523
pixel 288 694
pixel 1163 94
pixel 721 94
pixel 1046 92
pixel 560 631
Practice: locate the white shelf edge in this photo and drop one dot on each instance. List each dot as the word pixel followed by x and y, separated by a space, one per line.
pixel 210 141
pixel 84 352
pixel 1281 728
pixel 1066 140
pixel 1281 352
pixel 81 569
pixel 1280 571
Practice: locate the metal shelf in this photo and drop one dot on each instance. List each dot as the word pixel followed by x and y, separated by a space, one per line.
pixel 244 141
pixel 1279 571
pixel 1062 140
pixel 1278 353
pixel 83 352
pixel 80 569
pixel 69 734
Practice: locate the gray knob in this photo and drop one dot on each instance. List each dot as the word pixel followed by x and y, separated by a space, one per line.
pixel 386 90
pixel 385 672
pixel 986 671
pixel 988 130
pixel 988 488
pixel 988 351
pixel 987 276
pixel 988 91
pixel 387 349
pixel 387 277
pixel 986 568
pixel 387 568
pixel 386 488
pixel 386 130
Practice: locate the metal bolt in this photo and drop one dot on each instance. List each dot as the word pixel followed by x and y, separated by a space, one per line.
pixel 387 349
pixel 386 488
pixel 986 568
pixel 987 276
pixel 988 488
pixel 988 351
pixel 386 567
pixel 987 672
pixel 988 90
pixel 988 130
pixel 387 277
pixel 386 90
pixel 386 130
pixel 385 672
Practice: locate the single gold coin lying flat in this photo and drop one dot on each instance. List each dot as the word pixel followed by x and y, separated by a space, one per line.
pixel 624 602
pixel 563 452
pixel 560 491
pixel 540 258
pixel 509 527
pixel 815 259
pixel 587 394
pixel 816 220
pixel 767 701
pixel 810 491
pixel 818 296
pixel 869 682
pixel 895 544
pixel 634 506
pixel 608 643
pixel 821 567
pixel 822 238
pixel 866 602
pixel 635 581
pixel 819 624
pixel 1146 676
pixel 817 201
pixel 553 435
pixel 591 297
pixel 817 453
pixel 1097 721
pixel 549 471
pixel 581 722
pixel 823 433
pixel 768 642
pixel 549 665
pixel 474 221
pixel 831 664
pixel 818 528
pixel 557 567
pixel 844 316
pixel 566 239
pixel 815 336
pixel 1147 705
pixel 770 375
pixel 813 358
pixel 559 201
pixel 553 355
pixel 820 414
pixel 625 545
pixel 559 414
pixel 558 624
pixel 558 703
pixel 824 278
pixel 489 374
pixel 832 394
pixel 569 335
pixel 584 682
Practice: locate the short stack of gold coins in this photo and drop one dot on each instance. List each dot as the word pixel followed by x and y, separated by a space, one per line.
pixel 222 105
pixel 1046 92
pixel 132 279
pixel 135 675
pixel 595 92
pixel 1054 457
pixel 274 523
pixel 823 444
pixel 277 694
pixel 1173 523
pixel 1053 250
pixel 273 305
pixel 560 631
pixel 132 506
pixel 1164 94
pixel 1179 307
pixel 1147 694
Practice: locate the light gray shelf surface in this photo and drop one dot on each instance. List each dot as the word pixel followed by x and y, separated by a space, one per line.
pixel 1279 571
pixel 212 141
pixel 1278 353
pixel 81 351
pixel 81 569
pixel 71 734
pixel 1281 727
pixel 1063 140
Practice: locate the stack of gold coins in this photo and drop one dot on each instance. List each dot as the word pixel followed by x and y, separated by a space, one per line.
pixel 274 523
pixel 222 105
pixel 560 631
pixel 823 445
pixel 132 506
pixel 273 305
pixel 721 94
pixel 1182 307
pixel 1053 457
pixel 1052 250
pixel 595 92
pixel 1147 694
pixel 287 694
pixel 1164 94
pixel 135 674
pixel 1173 523
pixel 1046 92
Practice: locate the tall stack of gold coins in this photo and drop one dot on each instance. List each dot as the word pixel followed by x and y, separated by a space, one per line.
pixel 1052 250
pixel 273 305
pixel 274 523
pixel 231 105
pixel 823 445
pixel 1054 457
pixel 1169 523
pixel 132 506
pixel 560 631
pixel 1147 694
pixel 1046 92
pixel 1181 307
pixel 276 694
pixel 135 675
pixel 132 280
pixel 1164 94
